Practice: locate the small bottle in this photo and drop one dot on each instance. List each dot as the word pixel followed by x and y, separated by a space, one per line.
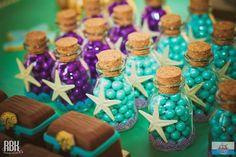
pixel 95 31
pixel 223 121
pixel 198 73
pixel 67 22
pixel 173 106
pixel 123 114
pixel 72 71
pixel 223 50
pixel 38 55
pixel 171 40
pixel 92 9
pixel 139 58
pixel 199 22
pixel 152 14
pixel 114 4
pixel 123 19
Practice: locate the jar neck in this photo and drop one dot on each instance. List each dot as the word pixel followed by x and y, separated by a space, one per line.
pixel 68 57
pixel 95 36
pixel 143 51
pixel 199 12
pixel 223 41
pixel 171 31
pixel 228 105
pixel 39 48
pixel 198 62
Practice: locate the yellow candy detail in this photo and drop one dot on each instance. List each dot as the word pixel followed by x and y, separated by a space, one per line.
pixel 66 140
pixel 8 119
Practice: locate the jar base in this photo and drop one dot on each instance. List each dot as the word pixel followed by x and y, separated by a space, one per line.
pixel 140 103
pixel 201 118
pixel 43 97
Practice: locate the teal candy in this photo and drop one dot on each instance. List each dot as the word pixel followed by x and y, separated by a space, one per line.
pixel 225 121
pixel 170 105
pixel 120 94
pixel 180 126
pixel 170 128
pixel 198 79
pixel 110 93
pixel 175 135
pixel 231 130
pixel 234 119
pixel 128 114
pixel 116 85
pixel 175 97
pixel 114 111
pixel 186 131
pixel 107 83
pixel 182 102
pixel 179 110
pixel 170 114
pixel 123 109
pixel 119 117
pixel 194 73
pixel 224 137
pixel 106 118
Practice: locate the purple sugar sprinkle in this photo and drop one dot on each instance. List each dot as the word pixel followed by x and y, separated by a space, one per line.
pixel 141 103
pixel 201 118
pixel 130 123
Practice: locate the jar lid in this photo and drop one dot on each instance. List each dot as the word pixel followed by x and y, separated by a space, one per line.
pixel 67 19
pixel 67 45
pixel 227 90
pixel 95 25
pixel 154 3
pixel 92 7
pixel 199 6
pixel 171 24
pixel 123 15
pixel 138 43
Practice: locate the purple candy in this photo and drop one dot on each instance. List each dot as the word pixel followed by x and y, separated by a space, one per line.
pixel 72 34
pixel 114 4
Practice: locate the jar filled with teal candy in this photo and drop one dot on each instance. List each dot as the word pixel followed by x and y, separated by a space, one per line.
pixel 201 80
pixel 140 67
pixel 113 95
pixel 199 24
pixel 171 45
pixel 172 128
pixel 224 50
pixel 223 121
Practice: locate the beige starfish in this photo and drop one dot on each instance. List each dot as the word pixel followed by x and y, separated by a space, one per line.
pixel 102 103
pixel 191 93
pixel 59 89
pixel 136 81
pixel 25 75
pixel 146 29
pixel 156 123
pixel 163 59
pixel 221 73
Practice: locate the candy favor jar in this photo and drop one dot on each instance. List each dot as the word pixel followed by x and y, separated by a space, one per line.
pixel 223 50
pixel 67 22
pixel 201 80
pixel 171 106
pixel 115 102
pixel 140 67
pixel 72 71
pixel 171 41
pixel 123 19
pixel 114 4
pixel 39 57
pixel 223 121
pixel 92 9
pixel 95 32
pixel 199 23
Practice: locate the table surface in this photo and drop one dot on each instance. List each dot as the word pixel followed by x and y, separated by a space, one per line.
pixel 27 13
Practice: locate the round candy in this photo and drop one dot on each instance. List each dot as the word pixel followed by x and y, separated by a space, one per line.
pixel 110 93
pixel 120 94
pixel 175 135
pixel 116 85
pixel 179 110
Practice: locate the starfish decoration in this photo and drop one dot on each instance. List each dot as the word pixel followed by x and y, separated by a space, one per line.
pixel 59 89
pixel 190 38
pixel 136 81
pixel 156 123
pixel 163 59
pixel 221 73
pixel 102 103
pixel 25 75
pixel 191 93
pixel 146 29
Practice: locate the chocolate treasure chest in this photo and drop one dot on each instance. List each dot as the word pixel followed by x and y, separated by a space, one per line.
pixel 3 95
pixel 24 117
pixel 75 134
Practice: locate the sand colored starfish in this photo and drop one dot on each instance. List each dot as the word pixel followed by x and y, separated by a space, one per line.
pixel 191 93
pixel 146 29
pixel 221 73
pixel 103 104
pixel 25 75
pixel 59 89
pixel 156 123
pixel 136 81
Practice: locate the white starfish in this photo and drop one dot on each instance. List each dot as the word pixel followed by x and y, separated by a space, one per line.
pixel 221 73
pixel 163 59
pixel 102 103
pixel 191 93
pixel 145 29
pixel 156 123
pixel 25 75
pixel 59 89
pixel 136 81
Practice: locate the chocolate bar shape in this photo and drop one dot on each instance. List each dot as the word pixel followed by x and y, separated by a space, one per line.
pixel 3 95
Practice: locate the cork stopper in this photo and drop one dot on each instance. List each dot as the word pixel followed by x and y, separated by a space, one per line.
pixel 92 7
pixel 168 79
pixel 67 49
pixel 227 94
pixel 110 62
pixel 138 43
pixel 199 6
pixel 95 28
pixel 123 15
pixel 199 53
pixel 224 32
pixel 67 20
pixel 36 42
pixel 154 3
pixel 171 24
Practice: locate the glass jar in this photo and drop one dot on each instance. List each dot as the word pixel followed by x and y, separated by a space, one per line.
pixel 223 120
pixel 171 40
pixel 110 66
pixel 224 50
pixel 72 71
pixel 138 46
pixel 173 104
pixel 42 60
pixel 95 32
pixel 123 26
pixel 198 72
pixel 92 9
pixel 114 4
